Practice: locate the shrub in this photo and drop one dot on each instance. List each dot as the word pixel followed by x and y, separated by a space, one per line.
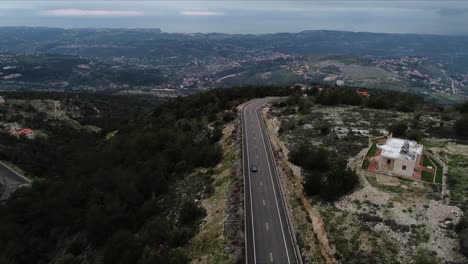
pixel 378 102
pixel 464 242
pixel 324 128
pixel 312 182
pixel 190 212
pixel 463 108
pixel 370 218
pixel 462 229
pixel 121 248
pixel 461 126
pixel 398 129
pixel 324 176
pixel 309 158
pixel 216 134
pixel 228 116
pixel 337 182
pixel 366 164
pixel 98 224
pixel 286 126
pixel 414 134
pixel 424 256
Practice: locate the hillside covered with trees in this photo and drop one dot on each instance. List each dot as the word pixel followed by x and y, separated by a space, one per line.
pixel 124 193
pixel 115 198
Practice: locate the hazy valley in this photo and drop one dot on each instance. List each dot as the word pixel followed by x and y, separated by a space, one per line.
pixel 170 64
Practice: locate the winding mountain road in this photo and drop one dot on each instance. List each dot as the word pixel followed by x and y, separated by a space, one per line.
pixel 10 177
pixel 269 238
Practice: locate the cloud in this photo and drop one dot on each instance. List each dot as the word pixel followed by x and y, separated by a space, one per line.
pixel 87 13
pixel 201 13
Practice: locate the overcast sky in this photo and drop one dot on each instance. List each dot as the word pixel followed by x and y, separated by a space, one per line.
pixel 434 17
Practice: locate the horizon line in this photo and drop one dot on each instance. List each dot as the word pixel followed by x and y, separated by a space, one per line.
pixel 226 33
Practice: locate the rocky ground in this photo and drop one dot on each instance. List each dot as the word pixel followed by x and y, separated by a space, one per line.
pixel 386 219
pixel 406 213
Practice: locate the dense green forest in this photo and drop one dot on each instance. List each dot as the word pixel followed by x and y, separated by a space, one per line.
pixel 116 199
pixel 55 69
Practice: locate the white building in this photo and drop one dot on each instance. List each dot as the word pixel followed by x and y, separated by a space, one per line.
pixel 399 157
pixel 2 100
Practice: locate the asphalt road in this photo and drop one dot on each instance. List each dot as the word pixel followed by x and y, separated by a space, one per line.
pixel 10 177
pixel 269 238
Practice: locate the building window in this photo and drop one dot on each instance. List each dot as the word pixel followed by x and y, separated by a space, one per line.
pixel 388 161
pixel 404 167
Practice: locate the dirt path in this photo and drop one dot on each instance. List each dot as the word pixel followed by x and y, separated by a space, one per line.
pixel 319 230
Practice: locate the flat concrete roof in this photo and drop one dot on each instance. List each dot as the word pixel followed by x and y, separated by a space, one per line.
pixel 392 149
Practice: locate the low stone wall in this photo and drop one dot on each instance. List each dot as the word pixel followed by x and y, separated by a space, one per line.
pixel 369 147
pixel 437 159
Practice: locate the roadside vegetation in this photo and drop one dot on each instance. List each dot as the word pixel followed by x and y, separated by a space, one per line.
pixel 323 175
pixel 131 198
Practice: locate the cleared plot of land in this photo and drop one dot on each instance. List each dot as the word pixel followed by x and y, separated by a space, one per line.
pixel 356 72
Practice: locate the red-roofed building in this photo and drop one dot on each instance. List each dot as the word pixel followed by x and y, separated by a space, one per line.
pixel 363 93
pixel 28 133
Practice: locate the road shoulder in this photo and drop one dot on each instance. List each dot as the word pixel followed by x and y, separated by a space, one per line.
pixel 310 233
